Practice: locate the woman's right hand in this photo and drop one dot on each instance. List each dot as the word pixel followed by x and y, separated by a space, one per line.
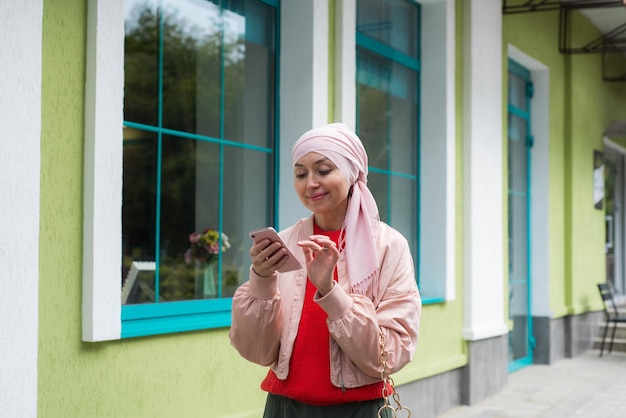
pixel 267 257
pixel 321 256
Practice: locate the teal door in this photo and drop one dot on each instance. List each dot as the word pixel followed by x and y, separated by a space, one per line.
pixel 520 142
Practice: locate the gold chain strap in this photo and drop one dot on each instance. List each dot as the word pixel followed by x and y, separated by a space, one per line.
pixel 388 382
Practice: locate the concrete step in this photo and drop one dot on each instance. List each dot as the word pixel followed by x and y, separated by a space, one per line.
pixel 619 343
pixel 620 331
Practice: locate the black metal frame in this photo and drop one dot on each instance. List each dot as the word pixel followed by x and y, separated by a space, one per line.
pixel 613 41
pixel 546 5
pixel 612 315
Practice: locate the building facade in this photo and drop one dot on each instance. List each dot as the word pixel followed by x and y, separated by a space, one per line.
pixel 129 125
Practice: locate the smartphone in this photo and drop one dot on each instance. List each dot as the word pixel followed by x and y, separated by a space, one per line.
pixel 271 234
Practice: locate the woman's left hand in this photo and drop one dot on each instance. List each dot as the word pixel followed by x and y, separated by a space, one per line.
pixel 321 255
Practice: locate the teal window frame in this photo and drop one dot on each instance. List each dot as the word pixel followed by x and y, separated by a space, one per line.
pixel 374 46
pixel 191 315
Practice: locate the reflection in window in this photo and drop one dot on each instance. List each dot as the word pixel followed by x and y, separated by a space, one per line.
pixel 388 80
pixel 392 22
pixel 199 137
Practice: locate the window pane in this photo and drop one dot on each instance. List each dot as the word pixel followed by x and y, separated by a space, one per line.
pixel 141 59
pixel 191 66
pixel 250 171
pixel 379 186
pixel 517 154
pixel 518 197
pixel 388 106
pixel 373 79
pixel 248 72
pixel 403 133
pixel 389 21
pixel 518 263
pixel 396 197
pixel 403 192
pixel 189 203
pixel 139 209
pixel 517 91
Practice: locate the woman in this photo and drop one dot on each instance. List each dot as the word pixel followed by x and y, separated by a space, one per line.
pixel 318 327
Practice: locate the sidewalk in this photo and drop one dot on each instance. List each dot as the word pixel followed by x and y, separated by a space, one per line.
pixel 585 386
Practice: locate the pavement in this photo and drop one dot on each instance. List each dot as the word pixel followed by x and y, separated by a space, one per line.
pixel 584 386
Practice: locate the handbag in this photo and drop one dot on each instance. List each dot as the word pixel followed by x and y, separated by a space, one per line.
pixel 388 382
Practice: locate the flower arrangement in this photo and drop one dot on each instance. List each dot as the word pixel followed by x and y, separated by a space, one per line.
pixel 205 246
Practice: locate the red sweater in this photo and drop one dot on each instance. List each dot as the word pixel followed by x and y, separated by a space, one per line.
pixel 309 369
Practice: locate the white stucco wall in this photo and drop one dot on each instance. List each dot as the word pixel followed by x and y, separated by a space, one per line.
pixel 20 131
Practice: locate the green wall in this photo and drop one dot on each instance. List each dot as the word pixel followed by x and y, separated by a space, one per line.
pixel 581 106
pixel 185 375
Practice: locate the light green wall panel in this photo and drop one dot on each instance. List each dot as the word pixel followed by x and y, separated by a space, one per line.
pixel 581 105
pixel 590 113
pixel 587 113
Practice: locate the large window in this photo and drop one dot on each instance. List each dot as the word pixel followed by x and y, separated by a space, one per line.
pixel 388 80
pixel 199 141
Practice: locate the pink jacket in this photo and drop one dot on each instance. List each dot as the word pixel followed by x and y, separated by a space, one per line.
pixel 266 313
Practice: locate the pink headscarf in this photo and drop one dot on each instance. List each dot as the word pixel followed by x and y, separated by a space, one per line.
pixel 344 148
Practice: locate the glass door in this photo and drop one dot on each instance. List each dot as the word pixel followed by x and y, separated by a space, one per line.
pixel 520 142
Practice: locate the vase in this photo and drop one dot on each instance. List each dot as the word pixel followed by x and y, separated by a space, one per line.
pixel 207 288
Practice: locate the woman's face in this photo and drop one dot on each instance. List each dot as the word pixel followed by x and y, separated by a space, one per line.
pixel 322 188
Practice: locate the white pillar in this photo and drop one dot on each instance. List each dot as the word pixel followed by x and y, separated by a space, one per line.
pixel 484 236
pixel 102 232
